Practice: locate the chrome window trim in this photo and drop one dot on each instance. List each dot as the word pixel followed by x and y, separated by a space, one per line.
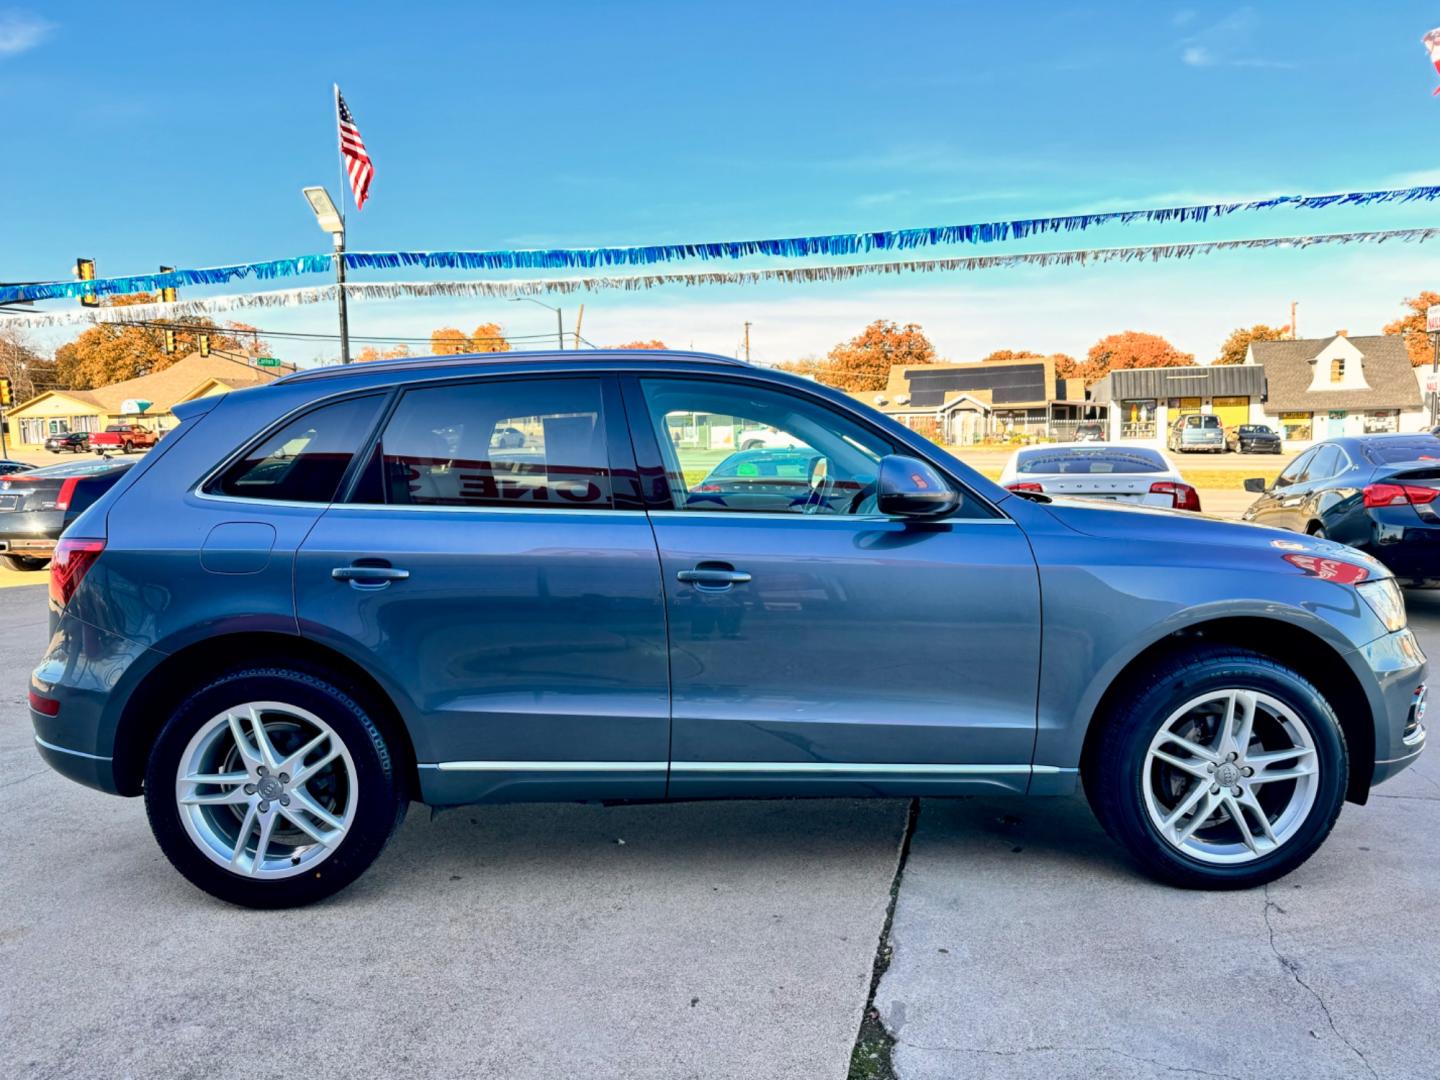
pixel 547 766
pixel 796 768
pixel 550 510
pixel 877 519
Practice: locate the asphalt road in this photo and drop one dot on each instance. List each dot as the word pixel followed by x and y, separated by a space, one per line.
pixel 699 940
pixel 716 941
pixel 1025 945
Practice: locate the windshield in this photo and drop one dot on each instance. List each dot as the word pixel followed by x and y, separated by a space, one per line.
pixel 1202 421
pixel 1082 461
pixel 1389 451
pixel 758 464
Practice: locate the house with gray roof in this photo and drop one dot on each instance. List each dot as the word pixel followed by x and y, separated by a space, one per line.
pixel 1323 388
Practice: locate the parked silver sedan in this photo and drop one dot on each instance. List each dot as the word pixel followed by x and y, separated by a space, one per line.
pixel 1132 474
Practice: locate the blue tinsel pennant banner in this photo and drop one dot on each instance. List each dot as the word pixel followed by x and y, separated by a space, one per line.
pixel 835 244
pixel 506 289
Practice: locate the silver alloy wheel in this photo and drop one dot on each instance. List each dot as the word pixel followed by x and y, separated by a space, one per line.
pixel 1231 776
pixel 266 789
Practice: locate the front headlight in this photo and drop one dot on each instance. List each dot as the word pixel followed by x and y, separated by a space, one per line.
pixel 1386 600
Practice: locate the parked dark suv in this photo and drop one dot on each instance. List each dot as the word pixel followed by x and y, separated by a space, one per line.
pixel 320 599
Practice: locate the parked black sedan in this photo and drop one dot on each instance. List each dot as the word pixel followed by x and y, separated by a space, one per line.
pixel 77 442
pixel 1253 439
pixel 1377 493
pixel 36 506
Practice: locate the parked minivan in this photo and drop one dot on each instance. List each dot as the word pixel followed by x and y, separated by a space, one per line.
pixel 318 600
pixel 1197 431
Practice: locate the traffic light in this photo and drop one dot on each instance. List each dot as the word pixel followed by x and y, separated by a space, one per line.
pixel 204 344
pixel 169 293
pixel 6 396
pixel 169 341
pixel 85 271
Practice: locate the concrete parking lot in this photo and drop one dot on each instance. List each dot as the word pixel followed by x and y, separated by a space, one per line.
pixel 711 940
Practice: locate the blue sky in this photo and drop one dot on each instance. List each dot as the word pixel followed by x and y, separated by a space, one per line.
pixel 181 134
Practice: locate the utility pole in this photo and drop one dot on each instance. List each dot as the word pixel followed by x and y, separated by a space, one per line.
pixel 1294 330
pixel 1432 327
pixel 747 342
pixel 578 320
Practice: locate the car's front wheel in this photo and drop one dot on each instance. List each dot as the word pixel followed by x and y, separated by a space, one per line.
pixel 1219 769
pixel 272 787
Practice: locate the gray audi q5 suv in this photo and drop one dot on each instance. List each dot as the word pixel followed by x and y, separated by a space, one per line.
pixel 523 578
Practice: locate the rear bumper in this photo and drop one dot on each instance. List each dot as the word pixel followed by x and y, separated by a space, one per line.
pixel 31 532
pixel 88 674
pixel 1410 549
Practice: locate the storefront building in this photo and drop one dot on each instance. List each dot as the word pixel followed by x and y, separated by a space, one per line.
pixel 959 404
pixel 1144 402
pixel 1325 388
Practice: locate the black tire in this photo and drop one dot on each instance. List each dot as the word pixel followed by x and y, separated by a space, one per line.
pixel 380 806
pixel 25 563
pixel 1318 531
pixel 752 445
pixel 1115 764
pixel 128 447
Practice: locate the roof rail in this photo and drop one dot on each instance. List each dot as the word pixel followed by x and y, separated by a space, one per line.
pixel 402 362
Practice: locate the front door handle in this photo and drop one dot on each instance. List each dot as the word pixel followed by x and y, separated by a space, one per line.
pixel 369 577
pixel 713 577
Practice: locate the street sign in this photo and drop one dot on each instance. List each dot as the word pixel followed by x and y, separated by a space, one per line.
pixel 1432 383
pixel 134 405
pixel 270 361
pixel 1432 318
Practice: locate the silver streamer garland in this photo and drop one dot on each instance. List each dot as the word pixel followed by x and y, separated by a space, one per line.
pixel 395 290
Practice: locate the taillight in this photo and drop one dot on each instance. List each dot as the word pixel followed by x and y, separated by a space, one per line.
pixel 1399 495
pixel 69 565
pixel 67 492
pixel 1025 485
pixel 1343 573
pixel 45 706
pixel 1183 496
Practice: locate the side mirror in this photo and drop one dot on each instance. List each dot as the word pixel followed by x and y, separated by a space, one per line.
pixel 1255 485
pixel 907 487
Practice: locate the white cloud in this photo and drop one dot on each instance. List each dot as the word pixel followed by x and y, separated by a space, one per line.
pixel 1197 56
pixel 1232 41
pixel 20 32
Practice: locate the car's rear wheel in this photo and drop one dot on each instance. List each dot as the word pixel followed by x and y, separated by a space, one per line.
pixel 1219 769
pixel 272 787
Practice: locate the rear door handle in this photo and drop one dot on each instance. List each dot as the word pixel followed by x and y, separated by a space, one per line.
pixel 713 577
pixel 369 577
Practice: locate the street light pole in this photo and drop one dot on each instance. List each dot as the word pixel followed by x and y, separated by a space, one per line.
pixel 331 221
pixel 340 290
pixel 559 318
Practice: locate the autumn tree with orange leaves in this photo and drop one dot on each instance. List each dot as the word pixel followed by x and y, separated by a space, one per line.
pixel 112 352
pixel 1417 342
pixel 1236 346
pixel 1131 349
pixel 370 352
pixel 487 338
pixel 651 344
pixel 864 362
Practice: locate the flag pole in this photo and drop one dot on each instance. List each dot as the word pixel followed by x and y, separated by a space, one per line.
pixel 340 239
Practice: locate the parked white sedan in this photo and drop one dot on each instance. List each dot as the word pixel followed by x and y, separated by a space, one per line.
pixel 1134 474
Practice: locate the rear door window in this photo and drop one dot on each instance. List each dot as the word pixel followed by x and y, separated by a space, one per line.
pixel 531 444
pixel 305 459
pixel 1325 463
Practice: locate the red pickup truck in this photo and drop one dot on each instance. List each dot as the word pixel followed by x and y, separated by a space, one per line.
pixel 123 437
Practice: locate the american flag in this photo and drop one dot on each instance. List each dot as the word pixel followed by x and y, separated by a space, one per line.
pixel 1431 41
pixel 352 151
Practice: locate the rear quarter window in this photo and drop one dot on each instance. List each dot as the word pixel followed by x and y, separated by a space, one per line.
pixel 305 460
pixel 1392 451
